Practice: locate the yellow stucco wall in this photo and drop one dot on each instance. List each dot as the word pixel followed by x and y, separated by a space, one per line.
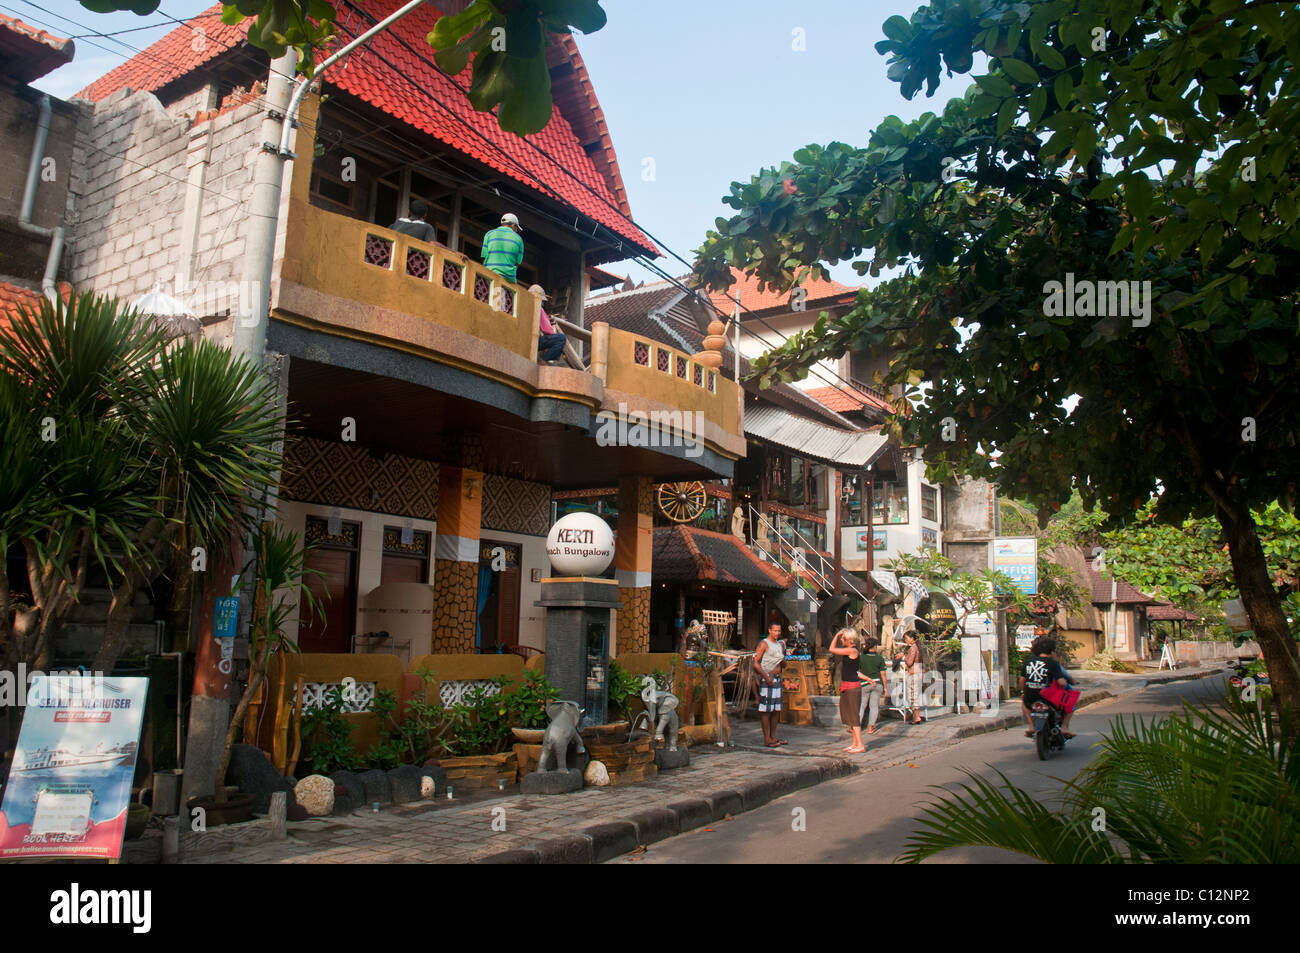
pixel 666 388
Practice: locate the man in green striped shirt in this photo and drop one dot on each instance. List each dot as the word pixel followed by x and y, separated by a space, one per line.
pixel 503 249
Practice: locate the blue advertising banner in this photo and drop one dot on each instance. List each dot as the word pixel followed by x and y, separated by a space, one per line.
pixel 70 782
pixel 1017 556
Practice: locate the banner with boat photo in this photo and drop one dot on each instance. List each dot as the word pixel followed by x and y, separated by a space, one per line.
pixel 70 781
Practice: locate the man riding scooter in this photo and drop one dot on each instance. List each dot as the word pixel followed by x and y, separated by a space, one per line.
pixel 1043 679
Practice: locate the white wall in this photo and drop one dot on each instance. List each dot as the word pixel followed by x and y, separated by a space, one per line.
pixel 532 618
pixel 829 371
pixel 900 537
pixel 370 559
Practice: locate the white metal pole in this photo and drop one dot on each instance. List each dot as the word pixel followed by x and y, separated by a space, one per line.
pixel 283 99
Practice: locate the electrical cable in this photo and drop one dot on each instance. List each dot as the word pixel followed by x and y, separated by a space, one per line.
pixel 817 371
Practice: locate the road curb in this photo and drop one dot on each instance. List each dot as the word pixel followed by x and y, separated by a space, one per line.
pixel 603 842
pixel 1011 719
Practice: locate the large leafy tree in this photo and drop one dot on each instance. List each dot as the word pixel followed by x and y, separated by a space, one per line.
pixel 120 452
pixel 1103 141
pixel 1187 564
pixel 507 39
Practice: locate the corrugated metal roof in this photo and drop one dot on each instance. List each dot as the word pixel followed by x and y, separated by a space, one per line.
pixel 850 448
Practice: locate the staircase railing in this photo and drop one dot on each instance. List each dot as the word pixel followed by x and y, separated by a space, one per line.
pixel 822 572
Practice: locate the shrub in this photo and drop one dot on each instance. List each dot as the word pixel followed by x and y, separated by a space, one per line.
pixel 328 736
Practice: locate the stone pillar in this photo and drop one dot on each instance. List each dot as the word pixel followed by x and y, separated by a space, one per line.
pixel 455 563
pixel 632 558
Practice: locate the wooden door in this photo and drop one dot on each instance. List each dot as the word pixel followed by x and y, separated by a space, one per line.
pixel 508 606
pixel 334 589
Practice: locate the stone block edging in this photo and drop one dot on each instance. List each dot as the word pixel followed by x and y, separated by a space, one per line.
pixel 602 842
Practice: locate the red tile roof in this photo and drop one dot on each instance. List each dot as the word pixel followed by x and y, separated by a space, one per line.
pixel 171 57
pixel 847 399
pixel 1124 593
pixel 824 293
pixel 13 296
pixel 683 554
pixel 28 53
pixel 410 90
pixel 1167 612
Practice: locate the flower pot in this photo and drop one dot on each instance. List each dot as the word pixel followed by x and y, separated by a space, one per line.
pixel 529 736
pixel 234 810
pixel 137 819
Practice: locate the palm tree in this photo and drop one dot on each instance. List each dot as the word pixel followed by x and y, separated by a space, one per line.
pixel 1215 784
pixel 119 449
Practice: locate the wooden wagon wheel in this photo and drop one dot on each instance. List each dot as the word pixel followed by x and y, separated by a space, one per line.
pixel 682 502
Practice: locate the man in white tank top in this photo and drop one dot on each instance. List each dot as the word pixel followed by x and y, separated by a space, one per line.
pixel 769 660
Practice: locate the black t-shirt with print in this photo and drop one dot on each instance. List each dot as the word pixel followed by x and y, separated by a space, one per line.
pixel 1039 672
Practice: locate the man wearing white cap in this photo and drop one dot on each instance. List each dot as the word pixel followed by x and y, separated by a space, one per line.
pixel 550 340
pixel 503 249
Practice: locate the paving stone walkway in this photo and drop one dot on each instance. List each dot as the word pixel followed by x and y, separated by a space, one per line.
pixel 595 824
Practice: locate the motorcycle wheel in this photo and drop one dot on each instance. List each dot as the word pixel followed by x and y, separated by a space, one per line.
pixel 1040 742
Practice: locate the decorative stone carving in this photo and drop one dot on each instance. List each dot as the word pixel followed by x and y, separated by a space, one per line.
pixel 662 710
pixel 453 691
pixel 358 699
pixel 316 794
pixel 560 733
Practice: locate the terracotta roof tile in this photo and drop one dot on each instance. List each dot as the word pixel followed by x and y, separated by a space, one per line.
pixel 171 57
pixel 13 296
pixel 1124 593
pixel 28 53
pixel 410 90
pixel 684 554
pixel 1168 612
pixel 847 399
pixel 822 293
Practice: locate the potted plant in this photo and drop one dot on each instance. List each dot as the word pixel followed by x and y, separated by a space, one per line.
pixel 281 567
pixel 526 708
pixel 476 735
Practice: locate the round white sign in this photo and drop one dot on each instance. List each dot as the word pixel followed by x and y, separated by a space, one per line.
pixel 580 544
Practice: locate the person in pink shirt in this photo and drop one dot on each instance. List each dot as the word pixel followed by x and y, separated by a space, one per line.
pixel 550 341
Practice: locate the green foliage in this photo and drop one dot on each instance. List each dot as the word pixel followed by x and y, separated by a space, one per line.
pixel 1214 784
pixel 623 688
pixel 481 723
pixel 506 39
pixel 526 705
pixel 118 452
pixel 1169 157
pixel 327 736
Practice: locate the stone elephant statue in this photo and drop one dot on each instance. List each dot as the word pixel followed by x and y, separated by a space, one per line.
pixel 560 733
pixel 661 707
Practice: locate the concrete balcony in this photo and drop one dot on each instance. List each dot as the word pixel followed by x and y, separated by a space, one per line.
pixel 344 286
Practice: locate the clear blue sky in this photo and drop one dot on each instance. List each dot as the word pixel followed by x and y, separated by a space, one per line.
pixel 711 91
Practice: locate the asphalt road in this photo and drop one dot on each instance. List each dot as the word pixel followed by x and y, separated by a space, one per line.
pixel 867 818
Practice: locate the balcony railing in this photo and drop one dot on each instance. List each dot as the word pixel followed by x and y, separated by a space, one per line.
pixel 352 260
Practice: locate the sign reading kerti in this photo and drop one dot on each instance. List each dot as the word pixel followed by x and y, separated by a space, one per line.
pixel 580 544
pixel 70 781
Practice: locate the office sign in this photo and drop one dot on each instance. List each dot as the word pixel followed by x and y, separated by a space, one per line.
pixel 70 782
pixel 1017 556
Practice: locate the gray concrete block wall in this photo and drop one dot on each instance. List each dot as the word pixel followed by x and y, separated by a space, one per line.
pixel 19 109
pixel 131 195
